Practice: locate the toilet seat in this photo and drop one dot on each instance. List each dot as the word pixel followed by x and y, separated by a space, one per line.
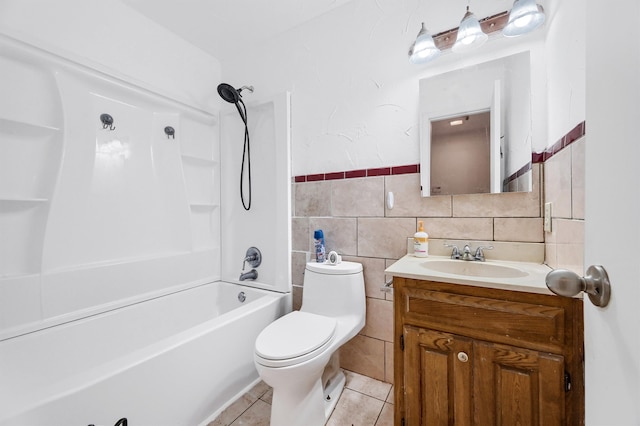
pixel 294 338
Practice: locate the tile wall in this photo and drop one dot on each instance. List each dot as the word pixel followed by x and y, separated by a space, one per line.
pixel 564 176
pixel 357 224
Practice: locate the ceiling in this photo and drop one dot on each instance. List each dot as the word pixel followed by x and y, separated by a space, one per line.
pixel 222 27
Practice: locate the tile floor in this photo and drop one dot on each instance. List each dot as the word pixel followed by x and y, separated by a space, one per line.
pixel 364 402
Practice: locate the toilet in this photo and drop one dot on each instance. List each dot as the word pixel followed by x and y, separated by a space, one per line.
pixel 297 354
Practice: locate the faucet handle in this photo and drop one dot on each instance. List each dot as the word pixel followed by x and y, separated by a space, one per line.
pixel 455 252
pixel 479 255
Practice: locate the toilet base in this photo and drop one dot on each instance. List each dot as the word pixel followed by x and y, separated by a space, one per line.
pixel 332 392
pixel 308 403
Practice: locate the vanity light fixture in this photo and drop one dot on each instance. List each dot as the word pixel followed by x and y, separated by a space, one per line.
pixel 424 48
pixel 470 34
pixel 525 16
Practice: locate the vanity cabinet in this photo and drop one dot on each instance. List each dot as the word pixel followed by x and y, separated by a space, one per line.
pixel 469 355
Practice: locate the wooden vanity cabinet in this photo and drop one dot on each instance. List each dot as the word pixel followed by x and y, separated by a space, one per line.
pixel 468 355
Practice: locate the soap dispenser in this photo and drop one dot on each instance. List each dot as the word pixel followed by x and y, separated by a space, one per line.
pixel 420 242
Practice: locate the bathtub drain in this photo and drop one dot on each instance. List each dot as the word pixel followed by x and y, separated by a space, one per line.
pixel 241 297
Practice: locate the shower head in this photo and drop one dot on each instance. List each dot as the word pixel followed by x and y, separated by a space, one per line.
pixel 230 94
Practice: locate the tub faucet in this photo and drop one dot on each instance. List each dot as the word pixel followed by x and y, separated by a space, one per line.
pixel 251 275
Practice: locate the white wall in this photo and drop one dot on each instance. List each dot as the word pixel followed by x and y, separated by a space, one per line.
pixel 114 38
pixel 355 95
pixel 565 74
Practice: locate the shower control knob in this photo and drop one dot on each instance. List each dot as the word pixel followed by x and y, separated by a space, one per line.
pixel 253 257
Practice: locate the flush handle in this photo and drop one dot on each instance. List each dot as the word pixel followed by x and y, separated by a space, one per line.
pixel 569 284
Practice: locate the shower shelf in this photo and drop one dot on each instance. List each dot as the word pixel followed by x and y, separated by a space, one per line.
pixel 22 200
pixel 203 206
pixel 11 125
pixel 199 160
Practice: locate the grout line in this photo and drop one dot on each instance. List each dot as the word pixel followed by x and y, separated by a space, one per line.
pixel 367 395
pixel 379 414
pixel 388 393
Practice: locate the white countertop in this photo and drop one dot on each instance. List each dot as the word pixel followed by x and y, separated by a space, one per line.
pixel 533 282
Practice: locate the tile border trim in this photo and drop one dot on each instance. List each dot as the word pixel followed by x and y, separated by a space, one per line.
pixel 566 140
pixel 360 173
pixel 537 157
pixel 540 157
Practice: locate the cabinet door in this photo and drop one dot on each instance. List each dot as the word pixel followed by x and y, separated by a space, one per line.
pixel 514 386
pixel 437 378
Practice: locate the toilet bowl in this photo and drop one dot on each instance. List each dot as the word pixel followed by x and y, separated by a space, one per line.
pixel 297 354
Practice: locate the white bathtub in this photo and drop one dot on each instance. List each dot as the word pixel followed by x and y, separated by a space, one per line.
pixel 176 360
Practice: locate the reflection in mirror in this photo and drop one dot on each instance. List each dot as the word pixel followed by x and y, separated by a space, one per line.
pixel 492 100
pixel 465 137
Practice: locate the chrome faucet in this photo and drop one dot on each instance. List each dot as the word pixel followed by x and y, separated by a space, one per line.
pixel 466 253
pixel 253 257
pixel 251 275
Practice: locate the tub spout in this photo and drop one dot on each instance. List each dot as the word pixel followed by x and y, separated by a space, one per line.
pixel 251 275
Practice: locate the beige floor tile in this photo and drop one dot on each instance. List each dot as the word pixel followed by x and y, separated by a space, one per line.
pixel 231 413
pixel 390 397
pixel 367 385
pixel 355 409
pixel 362 403
pixel 268 396
pixel 259 389
pixel 386 416
pixel 257 415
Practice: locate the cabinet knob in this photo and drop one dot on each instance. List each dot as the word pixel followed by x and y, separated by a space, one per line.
pixel 463 357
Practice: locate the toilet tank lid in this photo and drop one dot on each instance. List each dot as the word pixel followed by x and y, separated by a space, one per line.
pixel 342 268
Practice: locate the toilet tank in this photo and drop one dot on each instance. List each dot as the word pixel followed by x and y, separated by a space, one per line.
pixel 334 290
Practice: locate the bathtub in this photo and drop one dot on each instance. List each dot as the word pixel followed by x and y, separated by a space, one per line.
pixel 176 360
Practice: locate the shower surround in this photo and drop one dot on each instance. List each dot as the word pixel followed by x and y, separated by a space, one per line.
pixel 112 251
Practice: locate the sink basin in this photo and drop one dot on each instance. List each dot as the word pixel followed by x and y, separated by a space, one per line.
pixel 474 269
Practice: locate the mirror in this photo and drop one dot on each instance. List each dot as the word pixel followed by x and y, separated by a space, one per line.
pixel 475 129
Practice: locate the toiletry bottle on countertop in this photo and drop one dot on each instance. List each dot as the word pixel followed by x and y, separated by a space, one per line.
pixel 420 242
pixel 318 242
